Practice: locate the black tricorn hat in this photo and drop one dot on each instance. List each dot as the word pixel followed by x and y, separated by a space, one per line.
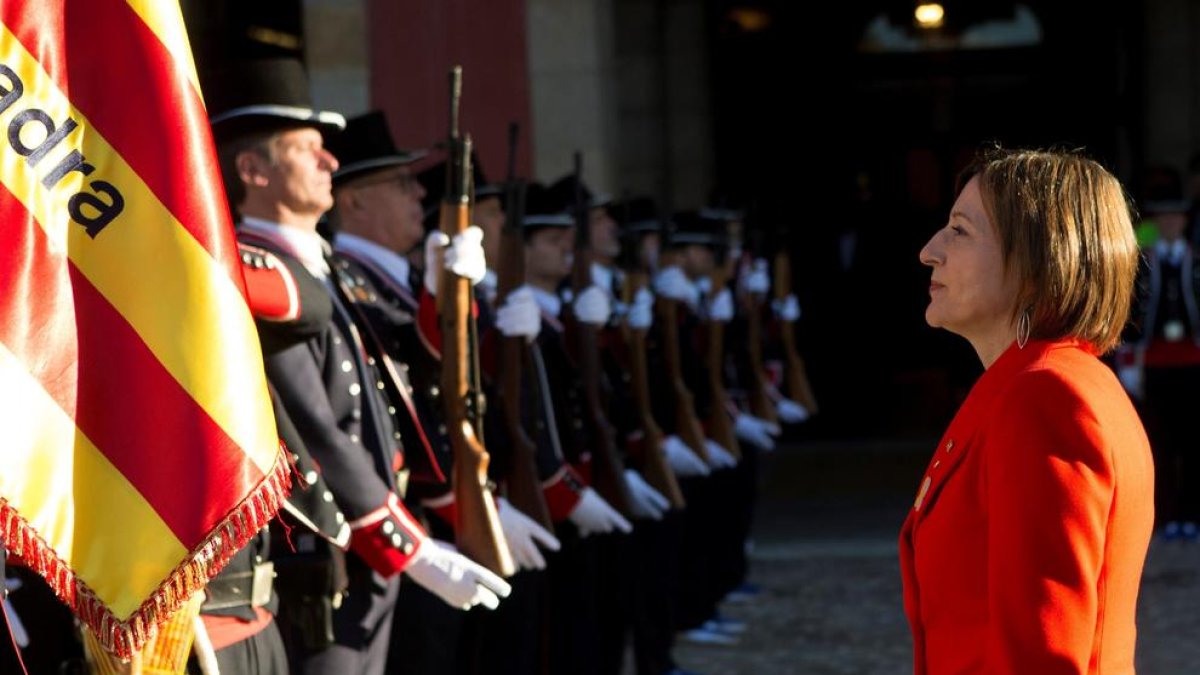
pixel 264 95
pixel 366 145
pixel 543 209
pixel 563 193
pixel 690 227
pixel 637 215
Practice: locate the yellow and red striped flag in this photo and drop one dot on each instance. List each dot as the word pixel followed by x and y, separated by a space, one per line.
pixel 139 449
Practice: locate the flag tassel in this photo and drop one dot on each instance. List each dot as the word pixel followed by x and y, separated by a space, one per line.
pixel 124 638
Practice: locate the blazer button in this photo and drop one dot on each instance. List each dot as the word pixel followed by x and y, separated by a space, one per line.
pixel 347 366
pixel 388 527
pixel 355 389
pixel 949 445
pixel 391 410
pixel 921 495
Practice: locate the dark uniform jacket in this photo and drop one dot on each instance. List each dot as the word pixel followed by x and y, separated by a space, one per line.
pixel 331 390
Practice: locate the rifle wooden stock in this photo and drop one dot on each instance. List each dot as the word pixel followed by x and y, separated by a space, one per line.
pixel 720 427
pixel 607 476
pixel 653 462
pixel 477 532
pixel 687 424
pixel 760 400
pixel 521 482
pixel 795 376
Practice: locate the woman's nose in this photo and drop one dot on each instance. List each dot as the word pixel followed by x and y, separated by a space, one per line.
pixel 930 253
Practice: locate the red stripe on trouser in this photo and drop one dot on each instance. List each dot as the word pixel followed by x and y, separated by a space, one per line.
pixel 125 402
pixel 122 78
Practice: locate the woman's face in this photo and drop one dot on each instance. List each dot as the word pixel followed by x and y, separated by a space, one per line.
pixel 970 292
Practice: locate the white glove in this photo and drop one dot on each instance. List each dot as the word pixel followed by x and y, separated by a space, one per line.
pixel 523 535
pixel 592 306
pixel 645 501
pixel 463 256
pixel 754 431
pixel 791 412
pixel 721 307
pixel 681 459
pixel 787 309
pixel 641 312
pixel 758 280
pixel 1131 378
pixel 593 515
pixel 520 315
pixel 453 577
pixel 718 456
pixel 672 283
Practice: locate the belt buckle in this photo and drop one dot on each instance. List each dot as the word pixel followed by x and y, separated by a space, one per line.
pixel 402 476
pixel 260 589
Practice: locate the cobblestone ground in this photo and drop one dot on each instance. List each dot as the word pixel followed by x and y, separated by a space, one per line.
pixel 832 601
pixel 835 609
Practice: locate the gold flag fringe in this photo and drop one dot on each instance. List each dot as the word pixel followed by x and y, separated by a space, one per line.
pixel 124 638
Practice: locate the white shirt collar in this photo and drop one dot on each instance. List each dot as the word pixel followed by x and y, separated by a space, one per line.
pixel 603 277
pixel 549 302
pixel 393 264
pixel 308 247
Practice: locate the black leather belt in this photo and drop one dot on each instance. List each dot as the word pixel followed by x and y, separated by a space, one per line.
pixel 240 589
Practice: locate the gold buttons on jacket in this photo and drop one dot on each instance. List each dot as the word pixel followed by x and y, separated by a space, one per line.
pixel 921 495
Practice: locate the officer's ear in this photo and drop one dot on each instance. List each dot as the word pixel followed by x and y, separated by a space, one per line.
pixel 252 167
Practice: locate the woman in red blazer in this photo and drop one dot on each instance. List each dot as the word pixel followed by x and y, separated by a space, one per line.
pixel 1024 548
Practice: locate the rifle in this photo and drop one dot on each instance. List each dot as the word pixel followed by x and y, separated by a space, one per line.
pixel 606 468
pixel 796 380
pixel 653 463
pixel 521 482
pixel 719 426
pixel 761 405
pixel 477 532
pixel 687 424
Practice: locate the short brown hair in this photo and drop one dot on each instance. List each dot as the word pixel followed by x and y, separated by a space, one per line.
pixel 1066 231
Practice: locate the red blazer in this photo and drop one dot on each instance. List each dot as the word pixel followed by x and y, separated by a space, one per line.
pixel 1024 548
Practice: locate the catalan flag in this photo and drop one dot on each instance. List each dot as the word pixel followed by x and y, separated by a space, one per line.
pixel 138 448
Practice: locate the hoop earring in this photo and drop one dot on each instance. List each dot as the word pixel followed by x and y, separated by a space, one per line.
pixel 1023 329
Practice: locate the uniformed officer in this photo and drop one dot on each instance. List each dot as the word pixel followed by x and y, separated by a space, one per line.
pixel 549 243
pixel 240 634
pixel 278 178
pixel 617 556
pixel 378 220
